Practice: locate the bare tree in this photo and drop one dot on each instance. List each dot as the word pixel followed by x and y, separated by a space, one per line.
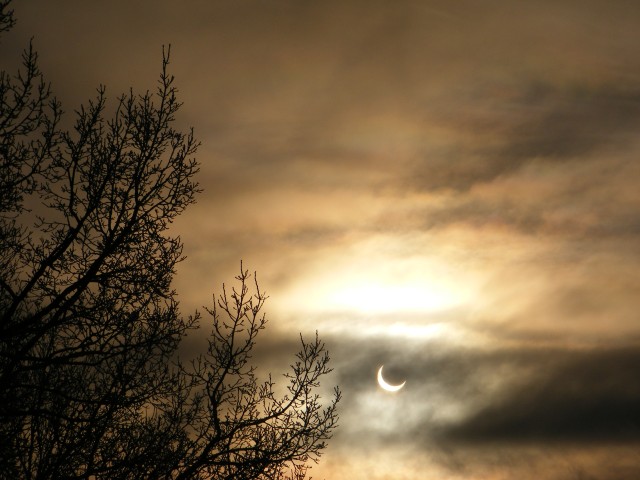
pixel 89 324
pixel 250 431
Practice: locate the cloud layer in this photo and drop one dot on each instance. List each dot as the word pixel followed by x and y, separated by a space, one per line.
pixel 465 171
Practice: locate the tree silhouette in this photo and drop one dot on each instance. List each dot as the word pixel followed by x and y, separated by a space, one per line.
pixel 90 386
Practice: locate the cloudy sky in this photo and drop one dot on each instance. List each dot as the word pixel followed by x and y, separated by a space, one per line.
pixel 448 188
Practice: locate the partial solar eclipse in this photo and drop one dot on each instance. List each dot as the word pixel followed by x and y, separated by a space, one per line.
pixel 387 386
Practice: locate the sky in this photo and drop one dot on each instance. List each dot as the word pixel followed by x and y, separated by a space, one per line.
pixel 445 188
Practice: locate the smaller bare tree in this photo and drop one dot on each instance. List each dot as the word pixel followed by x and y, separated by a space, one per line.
pixel 243 428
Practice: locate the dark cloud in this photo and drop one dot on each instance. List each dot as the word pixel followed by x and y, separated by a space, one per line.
pixel 529 413
pixel 577 212
pixel 572 122
pixel 582 397
pixel 541 123
pixel 549 161
pixel 505 396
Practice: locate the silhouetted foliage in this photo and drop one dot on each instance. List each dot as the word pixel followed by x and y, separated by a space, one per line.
pixel 89 382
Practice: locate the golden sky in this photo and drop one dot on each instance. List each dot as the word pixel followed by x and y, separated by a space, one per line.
pixel 449 188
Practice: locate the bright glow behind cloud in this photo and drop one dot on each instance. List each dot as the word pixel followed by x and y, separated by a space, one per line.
pixel 386 296
pixel 383 288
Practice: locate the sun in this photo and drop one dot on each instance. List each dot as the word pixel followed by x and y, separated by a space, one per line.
pixel 387 386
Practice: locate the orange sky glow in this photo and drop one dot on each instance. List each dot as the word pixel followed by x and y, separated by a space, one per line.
pixel 446 188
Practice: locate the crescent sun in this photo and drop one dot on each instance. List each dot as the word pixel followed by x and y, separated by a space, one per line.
pixel 386 386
